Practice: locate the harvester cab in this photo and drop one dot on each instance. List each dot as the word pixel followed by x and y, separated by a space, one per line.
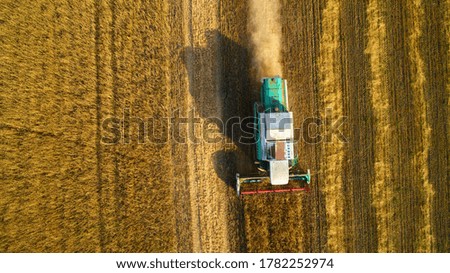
pixel 274 138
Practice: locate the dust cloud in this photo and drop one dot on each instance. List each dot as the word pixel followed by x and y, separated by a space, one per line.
pixel 265 38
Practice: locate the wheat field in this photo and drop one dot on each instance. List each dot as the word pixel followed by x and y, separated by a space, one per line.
pixel 67 67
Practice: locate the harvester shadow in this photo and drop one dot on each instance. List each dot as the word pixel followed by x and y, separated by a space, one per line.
pixel 220 85
pixel 221 88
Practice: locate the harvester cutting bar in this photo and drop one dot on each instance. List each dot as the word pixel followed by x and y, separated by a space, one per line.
pixel 277 190
pixel 262 184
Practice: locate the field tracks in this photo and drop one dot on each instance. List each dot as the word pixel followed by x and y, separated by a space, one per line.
pixel 415 24
pixel 330 68
pixel 101 221
pixel 382 192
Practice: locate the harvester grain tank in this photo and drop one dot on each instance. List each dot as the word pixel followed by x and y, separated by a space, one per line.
pixel 276 159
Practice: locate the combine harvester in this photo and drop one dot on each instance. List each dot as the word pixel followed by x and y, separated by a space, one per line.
pixel 275 156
